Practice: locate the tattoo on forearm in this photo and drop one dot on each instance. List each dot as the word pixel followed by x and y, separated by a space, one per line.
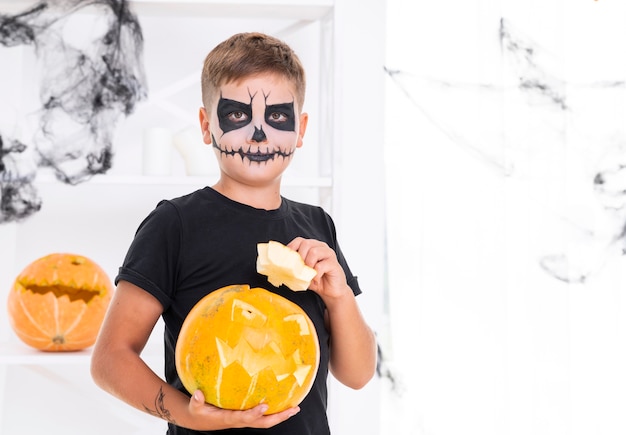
pixel 159 408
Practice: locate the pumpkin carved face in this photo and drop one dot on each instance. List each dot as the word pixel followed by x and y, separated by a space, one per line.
pixel 58 302
pixel 245 346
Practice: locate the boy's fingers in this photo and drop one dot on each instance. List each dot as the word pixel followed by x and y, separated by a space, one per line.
pixel 198 396
pixel 197 401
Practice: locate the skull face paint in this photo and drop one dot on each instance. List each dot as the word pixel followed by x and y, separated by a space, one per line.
pixel 257 130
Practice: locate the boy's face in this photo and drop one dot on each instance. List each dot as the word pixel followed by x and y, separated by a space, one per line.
pixel 254 127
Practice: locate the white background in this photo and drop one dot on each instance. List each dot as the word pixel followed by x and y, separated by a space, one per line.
pixel 486 181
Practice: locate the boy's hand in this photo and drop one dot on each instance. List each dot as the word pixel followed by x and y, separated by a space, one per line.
pixel 330 281
pixel 352 343
pixel 201 411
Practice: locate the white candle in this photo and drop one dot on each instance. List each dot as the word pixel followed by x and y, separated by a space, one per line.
pixel 157 151
pixel 197 155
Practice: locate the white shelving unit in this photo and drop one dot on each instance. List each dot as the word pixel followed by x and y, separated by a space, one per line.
pixel 12 353
pixel 98 218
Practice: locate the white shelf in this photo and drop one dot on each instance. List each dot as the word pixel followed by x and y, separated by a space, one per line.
pixel 17 353
pixel 46 178
pixel 288 9
pixel 277 9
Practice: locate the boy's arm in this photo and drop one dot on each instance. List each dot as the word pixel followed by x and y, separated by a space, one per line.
pixel 117 367
pixel 353 349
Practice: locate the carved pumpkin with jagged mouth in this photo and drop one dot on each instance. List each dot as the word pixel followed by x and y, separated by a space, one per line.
pixel 58 302
pixel 245 346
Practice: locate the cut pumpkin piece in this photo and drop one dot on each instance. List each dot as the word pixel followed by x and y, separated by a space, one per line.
pixel 283 265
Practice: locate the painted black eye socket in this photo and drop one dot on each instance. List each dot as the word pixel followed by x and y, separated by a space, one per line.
pixel 233 114
pixel 281 116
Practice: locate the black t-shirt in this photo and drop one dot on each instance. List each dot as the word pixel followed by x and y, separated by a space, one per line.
pixel 189 246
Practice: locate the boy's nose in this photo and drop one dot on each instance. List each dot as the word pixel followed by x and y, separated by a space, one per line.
pixel 259 135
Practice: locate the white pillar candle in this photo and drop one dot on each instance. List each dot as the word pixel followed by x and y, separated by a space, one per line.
pixel 157 151
pixel 197 155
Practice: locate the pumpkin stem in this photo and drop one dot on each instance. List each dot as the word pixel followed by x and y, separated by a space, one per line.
pixel 58 339
pixel 78 261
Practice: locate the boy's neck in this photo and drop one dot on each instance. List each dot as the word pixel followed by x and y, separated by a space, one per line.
pixel 264 197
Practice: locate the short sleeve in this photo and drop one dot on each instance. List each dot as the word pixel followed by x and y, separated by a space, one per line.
pixel 151 260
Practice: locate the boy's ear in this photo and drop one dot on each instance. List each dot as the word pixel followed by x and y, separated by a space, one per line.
pixel 204 126
pixel 304 119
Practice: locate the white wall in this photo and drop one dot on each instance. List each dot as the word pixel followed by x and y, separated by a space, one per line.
pixel 491 160
pixel 359 185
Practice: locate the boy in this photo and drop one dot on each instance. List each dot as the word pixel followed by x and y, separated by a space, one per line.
pixel 252 91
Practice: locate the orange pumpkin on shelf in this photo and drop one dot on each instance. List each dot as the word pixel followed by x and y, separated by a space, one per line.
pixel 245 346
pixel 58 302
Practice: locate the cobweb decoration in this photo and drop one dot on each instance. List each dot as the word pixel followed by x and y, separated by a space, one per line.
pixel 18 197
pixel 87 82
pixel 530 116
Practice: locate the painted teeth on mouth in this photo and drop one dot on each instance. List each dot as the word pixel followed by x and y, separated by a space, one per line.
pixel 257 156
pixel 260 157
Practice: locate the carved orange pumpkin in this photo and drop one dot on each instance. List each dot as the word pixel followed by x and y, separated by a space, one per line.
pixel 245 346
pixel 58 302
